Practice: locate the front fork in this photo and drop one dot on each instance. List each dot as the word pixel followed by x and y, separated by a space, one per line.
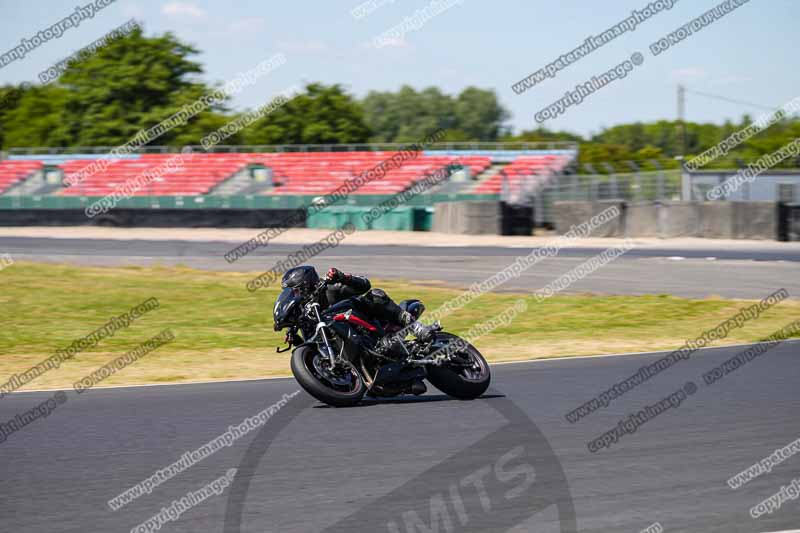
pixel 326 343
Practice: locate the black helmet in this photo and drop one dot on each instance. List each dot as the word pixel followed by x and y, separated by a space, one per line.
pixel 414 307
pixel 302 277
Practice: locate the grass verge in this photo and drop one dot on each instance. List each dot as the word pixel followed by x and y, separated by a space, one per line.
pixel 225 332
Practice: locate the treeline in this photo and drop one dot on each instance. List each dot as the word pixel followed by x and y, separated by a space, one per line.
pixel 135 82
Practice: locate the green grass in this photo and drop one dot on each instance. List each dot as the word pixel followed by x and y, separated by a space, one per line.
pixel 224 332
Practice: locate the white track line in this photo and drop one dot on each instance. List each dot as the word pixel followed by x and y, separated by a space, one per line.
pixel 560 358
pixel 787 531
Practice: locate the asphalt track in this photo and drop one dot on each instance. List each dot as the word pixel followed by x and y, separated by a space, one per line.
pixel 494 464
pixel 689 273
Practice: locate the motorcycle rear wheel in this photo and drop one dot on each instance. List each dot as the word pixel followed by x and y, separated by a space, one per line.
pixel 339 387
pixel 463 383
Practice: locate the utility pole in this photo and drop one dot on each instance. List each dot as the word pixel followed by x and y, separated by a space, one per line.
pixel 682 118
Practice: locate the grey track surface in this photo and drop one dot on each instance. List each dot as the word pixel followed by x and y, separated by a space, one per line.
pixel 734 273
pixel 327 464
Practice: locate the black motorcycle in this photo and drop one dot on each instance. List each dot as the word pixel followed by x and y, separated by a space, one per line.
pixel 335 360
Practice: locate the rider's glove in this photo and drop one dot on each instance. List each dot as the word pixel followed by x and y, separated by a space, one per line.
pixel 335 275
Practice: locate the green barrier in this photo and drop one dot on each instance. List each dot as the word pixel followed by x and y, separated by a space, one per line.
pixel 229 202
pixel 400 219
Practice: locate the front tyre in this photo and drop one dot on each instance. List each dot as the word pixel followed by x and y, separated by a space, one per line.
pixel 467 377
pixel 341 386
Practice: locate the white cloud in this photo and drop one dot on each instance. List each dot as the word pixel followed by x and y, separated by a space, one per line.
pixel 247 25
pixel 179 9
pixel 304 47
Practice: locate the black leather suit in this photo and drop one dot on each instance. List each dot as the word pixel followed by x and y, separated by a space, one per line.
pixel 374 302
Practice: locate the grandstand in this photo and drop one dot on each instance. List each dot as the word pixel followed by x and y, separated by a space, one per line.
pixel 287 172
pixel 13 172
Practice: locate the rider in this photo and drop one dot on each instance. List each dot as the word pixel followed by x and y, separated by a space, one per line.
pixel 376 303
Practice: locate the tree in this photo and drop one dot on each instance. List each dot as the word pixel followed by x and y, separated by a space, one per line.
pixel 36 118
pixel 320 115
pixel 132 83
pixel 408 115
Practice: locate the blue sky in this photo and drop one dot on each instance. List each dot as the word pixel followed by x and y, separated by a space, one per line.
pixel 748 55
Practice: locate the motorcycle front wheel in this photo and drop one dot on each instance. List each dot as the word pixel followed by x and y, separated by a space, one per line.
pixel 340 386
pixel 467 377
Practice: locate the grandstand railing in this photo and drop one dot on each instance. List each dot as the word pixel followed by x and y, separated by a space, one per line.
pixel 368 147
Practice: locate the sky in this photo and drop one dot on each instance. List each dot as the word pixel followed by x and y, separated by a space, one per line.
pixel 748 55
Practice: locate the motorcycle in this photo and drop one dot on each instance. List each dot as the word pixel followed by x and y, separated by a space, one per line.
pixel 334 357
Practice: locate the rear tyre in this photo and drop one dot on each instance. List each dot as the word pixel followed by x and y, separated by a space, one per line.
pixel 339 387
pixel 467 381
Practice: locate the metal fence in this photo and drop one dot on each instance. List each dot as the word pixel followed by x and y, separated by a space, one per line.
pixel 270 148
pixel 636 187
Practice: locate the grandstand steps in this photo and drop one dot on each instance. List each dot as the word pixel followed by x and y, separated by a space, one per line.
pixel 238 183
pixel 27 186
pixel 46 188
pixel 489 172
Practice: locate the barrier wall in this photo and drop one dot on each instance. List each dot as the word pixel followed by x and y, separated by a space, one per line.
pixel 468 218
pixel 713 220
pixel 157 218
pixel 569 214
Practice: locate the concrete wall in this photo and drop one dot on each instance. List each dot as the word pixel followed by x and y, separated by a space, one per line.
pixel 641 220
pixel 755 220
pixel 569 214
pixel 713 220
pixel 467 218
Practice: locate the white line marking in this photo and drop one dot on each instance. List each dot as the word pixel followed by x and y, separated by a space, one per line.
pixel 497 363
pixel 569 357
